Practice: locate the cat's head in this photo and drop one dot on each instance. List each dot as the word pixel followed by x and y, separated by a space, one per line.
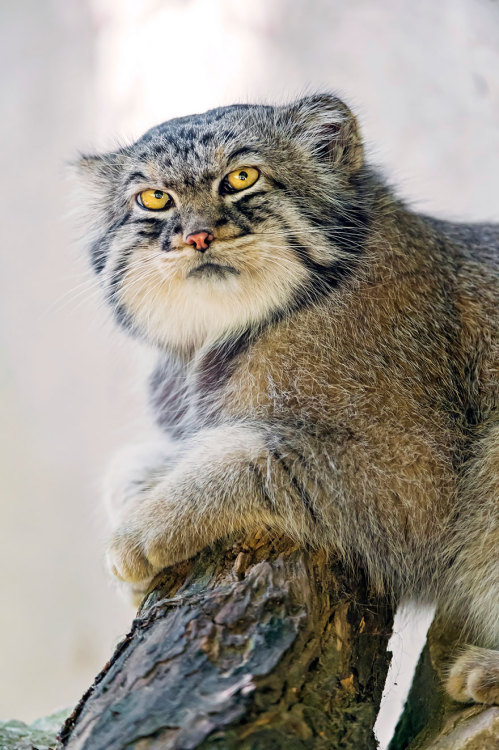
pixel 213 223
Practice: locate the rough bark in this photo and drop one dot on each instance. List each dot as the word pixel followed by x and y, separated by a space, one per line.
pixel 433 721
pixel 261 646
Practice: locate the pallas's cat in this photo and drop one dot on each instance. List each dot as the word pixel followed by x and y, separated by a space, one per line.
pixel 328 360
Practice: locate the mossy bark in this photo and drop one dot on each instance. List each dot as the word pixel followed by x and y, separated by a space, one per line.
pixel 39 735
pixel 260 646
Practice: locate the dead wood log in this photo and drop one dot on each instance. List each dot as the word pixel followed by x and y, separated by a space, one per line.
pixel 259 646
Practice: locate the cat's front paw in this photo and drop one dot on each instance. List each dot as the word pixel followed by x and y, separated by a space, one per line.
pixel 153 536
pixel 126 557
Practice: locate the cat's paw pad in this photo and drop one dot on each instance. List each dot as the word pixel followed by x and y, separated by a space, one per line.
pixel 475 677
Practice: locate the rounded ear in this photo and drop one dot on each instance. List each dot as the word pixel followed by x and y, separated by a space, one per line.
pixel 331 129
pixel 99 169
pixel 93 180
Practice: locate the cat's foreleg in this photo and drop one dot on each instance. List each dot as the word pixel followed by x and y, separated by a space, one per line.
pixel 133 472
pixel 226 480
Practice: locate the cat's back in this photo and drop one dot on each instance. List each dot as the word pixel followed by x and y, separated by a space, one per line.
pixel 474 252
pixel 475 248
pixel 471 253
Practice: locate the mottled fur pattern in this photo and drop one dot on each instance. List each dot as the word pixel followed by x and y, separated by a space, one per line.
pixel 328 368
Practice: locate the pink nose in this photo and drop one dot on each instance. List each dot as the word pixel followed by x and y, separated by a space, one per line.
pixel 200 239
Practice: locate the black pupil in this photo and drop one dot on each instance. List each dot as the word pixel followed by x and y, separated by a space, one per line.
pixel 158 194
pixel 243 175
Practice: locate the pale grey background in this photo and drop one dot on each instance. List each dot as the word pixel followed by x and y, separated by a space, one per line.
pixel 78 73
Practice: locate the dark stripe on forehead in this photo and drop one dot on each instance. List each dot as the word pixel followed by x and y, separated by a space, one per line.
pixel 136 177
pixel 188 133
pixel 187 181
pixel 207 176
pixel 240 152
pixel 161 148
pixel 206 138
pixel 185 150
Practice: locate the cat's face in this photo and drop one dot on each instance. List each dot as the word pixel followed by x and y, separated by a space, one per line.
pixel 212 223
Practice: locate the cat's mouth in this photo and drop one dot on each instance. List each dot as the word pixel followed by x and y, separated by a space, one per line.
pixel 212 269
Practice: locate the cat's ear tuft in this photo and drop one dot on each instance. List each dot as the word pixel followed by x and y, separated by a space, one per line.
pixel 332 130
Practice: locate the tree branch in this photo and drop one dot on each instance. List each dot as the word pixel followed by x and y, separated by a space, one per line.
pixel 260 646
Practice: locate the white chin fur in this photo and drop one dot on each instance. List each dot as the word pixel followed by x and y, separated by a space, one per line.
pixel 184 312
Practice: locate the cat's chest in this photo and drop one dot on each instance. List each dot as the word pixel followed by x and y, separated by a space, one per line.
pixel 189 394
pixel 304 369
pixel 308 369
pixel 278 374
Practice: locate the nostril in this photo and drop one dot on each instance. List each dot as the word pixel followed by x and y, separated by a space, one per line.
pixel 200 239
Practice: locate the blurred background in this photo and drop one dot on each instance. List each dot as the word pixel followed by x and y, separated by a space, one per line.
pixel 86 74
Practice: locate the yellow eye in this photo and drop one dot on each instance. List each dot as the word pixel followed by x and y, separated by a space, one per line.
pixel 242 178
pixel 154 200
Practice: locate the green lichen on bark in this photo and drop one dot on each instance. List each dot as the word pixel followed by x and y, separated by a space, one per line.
pixel 40 735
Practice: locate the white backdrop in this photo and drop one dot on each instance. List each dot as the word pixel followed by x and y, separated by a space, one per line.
pixel 78 74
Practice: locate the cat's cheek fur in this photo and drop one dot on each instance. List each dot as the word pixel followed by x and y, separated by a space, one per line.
pixel 177 312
